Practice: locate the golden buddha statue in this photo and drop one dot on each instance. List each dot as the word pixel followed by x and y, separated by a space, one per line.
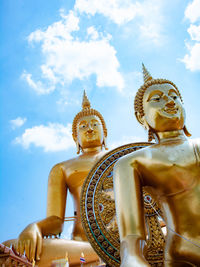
pixel 170 168
pixel 89 132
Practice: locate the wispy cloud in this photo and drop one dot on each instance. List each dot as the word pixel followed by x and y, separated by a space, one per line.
pixel 51 138
pixel 192 58
pixel 192 11
pixel 67 57
pixel 118 11
pixel 69 54
pixel 194 32
pixel 147 15
pixel 39 87
pixel 92 33
pixel 18 122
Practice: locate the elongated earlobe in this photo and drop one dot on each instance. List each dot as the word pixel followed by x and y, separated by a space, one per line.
pixel 186 131
pixel 77 147
pixel 104 143
pixel 139 118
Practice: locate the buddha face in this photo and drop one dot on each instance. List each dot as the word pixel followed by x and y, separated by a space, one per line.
pixel 90 132
pixel 163 108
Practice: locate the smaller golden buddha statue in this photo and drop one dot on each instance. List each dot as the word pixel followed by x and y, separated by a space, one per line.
pixel 170 169
pixel 89 132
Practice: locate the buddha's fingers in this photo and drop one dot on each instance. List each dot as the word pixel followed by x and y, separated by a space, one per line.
pixel 17 246
pixel 39 247
pixel 32 249
pixel 27 248
pixel 21 247
pixel 14 245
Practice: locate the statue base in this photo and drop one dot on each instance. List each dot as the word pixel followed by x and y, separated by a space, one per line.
pixel 56 249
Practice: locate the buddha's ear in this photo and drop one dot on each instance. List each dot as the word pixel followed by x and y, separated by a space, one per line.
pixel 105 142
pixel 186 132
pixel 78 147
pixel 140 118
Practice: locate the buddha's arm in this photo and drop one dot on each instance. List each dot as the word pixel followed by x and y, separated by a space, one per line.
pixel 130 213
pixel 30 240
pixel 56 199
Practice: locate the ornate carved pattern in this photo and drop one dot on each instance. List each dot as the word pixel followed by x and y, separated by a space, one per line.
pixel 99 215
pixel 154 250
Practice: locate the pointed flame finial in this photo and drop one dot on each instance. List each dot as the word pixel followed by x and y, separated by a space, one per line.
pixel 146 75
pixel 85 102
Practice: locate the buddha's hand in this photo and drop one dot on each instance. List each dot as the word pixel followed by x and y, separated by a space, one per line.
pixel 30 241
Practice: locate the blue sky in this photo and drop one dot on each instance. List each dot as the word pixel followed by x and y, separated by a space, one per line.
pixel 50 52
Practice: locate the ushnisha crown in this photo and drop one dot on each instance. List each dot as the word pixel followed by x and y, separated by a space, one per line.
pixel 148 81
pixel 86 111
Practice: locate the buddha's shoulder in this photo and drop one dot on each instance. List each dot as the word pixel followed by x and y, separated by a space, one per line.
pixel 66 163
pixel 136 155
pixel 83 159
pixel 156 149
pixel 71 163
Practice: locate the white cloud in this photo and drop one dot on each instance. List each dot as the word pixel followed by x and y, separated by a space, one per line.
pixel 67 57
pixel 53 137
pixel 37 86
pixel 194 32
pixel 18 122
pixel 150 21
pixel 192 58
pixel 126 140
pixel 192 11
pixel 151 32
pixel 92 32
pixel 118 11
pixel 147 14
pixel 60 29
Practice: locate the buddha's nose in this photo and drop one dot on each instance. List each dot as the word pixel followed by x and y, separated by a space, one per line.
pixel 90 130
pixel 170 103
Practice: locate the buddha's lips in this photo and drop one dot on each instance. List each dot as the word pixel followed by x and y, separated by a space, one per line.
pixel 171 110
pixel 90 135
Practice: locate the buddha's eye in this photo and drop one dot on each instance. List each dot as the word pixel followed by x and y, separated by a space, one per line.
pixel 156 98
pixel 95 124
pixel 83 126
pixel 174 97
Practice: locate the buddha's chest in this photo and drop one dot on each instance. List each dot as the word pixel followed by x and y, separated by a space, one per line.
pixel 76 173
pixel 171 171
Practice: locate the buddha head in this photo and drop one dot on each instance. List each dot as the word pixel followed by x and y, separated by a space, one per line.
pixel 88 128
pixel 159 106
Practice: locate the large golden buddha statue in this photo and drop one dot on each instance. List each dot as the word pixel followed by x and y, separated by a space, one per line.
pixel 89 132
pixel 170 169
